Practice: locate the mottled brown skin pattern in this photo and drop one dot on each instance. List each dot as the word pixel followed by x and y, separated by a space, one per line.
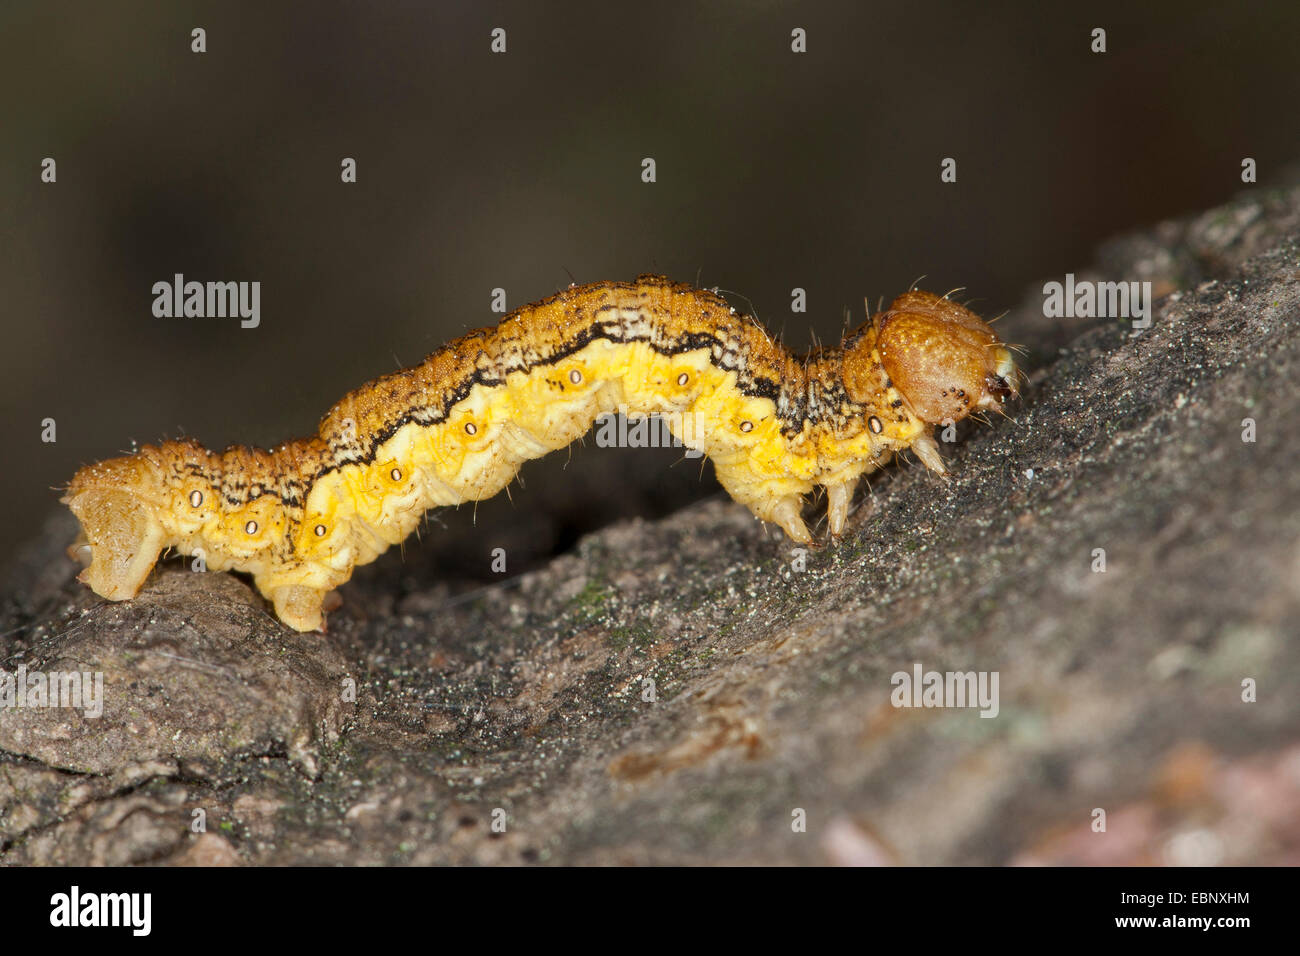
pixel 458 426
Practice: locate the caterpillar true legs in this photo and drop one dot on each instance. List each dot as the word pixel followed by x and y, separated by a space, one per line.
pixel 458 426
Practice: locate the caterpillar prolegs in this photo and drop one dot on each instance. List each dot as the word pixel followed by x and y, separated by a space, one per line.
pixel 458 426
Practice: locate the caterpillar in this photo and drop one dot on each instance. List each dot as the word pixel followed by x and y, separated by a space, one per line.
pixel 458 426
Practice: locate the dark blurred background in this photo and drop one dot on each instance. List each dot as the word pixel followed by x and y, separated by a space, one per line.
pixel 522 170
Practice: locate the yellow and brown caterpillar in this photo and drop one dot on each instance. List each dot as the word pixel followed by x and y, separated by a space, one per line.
pixel 458 426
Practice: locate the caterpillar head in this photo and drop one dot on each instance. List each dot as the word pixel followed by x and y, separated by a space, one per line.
pixel 116 503
pixel 944 360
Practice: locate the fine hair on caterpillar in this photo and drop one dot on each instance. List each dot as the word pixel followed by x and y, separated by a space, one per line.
pixel 458 426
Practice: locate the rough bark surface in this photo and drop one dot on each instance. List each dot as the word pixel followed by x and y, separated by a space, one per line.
pixel 525 701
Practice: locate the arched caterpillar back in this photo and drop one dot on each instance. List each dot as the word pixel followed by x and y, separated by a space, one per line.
pixel 458 426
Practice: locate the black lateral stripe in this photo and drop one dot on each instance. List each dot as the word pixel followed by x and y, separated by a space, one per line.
pixel 750 385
